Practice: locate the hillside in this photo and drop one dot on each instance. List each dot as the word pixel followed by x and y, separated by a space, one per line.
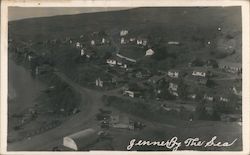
pixel 182 24
pixel 165 19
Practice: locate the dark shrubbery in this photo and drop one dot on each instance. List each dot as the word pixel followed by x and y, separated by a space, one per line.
pixel 59 97
pixel 144 110
pixel 220 55
pixel 201 112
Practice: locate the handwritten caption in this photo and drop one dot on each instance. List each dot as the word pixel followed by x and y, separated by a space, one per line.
pixel 174 144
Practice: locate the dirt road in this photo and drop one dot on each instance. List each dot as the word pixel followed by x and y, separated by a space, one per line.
pixel 82 120
pixel 91 102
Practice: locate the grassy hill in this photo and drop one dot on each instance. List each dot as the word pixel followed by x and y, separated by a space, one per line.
pixel 160 19
pixel 194 26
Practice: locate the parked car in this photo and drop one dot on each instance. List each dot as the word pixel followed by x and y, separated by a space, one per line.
pixel 101 117
pixel 139 125
pixel 105 124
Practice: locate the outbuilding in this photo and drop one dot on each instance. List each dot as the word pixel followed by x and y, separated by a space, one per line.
pixel 149 52
pixel 80 140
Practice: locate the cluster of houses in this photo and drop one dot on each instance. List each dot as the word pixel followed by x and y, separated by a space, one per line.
pixel 118 61
pixel 125 38
pixel 87 53
pixel 123 61
pixel 86 43
pixel 175 80
pixel 107 81
pixel 235 68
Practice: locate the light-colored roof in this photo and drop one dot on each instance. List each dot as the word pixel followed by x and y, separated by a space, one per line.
pixel 150 50
pixel 84 137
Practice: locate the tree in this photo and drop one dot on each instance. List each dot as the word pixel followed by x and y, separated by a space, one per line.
pixel 216 113
pixel 213 63
pixel 197 62
pixel 107 55
pixel 200 112
pixel 182 90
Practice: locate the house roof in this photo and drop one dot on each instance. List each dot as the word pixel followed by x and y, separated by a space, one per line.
pixel 175 81
pixel 150 50
pixel 156 78
pixel 119 59
pixel 200 69
pixel 173 70
pixel 81 137
pixel 89 52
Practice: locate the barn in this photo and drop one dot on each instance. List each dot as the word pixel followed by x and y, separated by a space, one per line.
pixel 81 139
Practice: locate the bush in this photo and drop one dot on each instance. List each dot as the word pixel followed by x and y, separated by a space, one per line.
pixel 144 110
pixel 61 96
pixel 200 112
pixel 197 62
pixel 220 55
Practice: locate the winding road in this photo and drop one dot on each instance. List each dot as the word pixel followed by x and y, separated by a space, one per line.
pixel 91 102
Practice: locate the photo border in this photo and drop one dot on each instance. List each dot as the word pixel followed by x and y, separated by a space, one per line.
pixel 128 3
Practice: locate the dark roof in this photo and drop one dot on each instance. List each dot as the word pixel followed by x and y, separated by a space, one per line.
pixel 200 69
pixel 173 70
pixel 175 81
pixel 156 78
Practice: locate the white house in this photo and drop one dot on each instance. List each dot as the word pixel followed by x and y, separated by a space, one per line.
pixel 88 55
pixel 231 67
pixel 224 99
pixel 111 62
pixel 78 45
pixel 92 42
pixel 192 96
pixel 123 32
pixel 121 64
pixel 144 42
pixel 99 82
pixel 131 93
pixel 173 89
pixel 173 73
pixel 174 93
pixel 141 42
pixel 123 41
pixel 149 52
pixel 173 43
pixel 199 73
pixel 208 97
pixel 173 86
pixel 103 40
pixel 29 57
pixel 237 91
pixel 131 39
pixel 82 52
